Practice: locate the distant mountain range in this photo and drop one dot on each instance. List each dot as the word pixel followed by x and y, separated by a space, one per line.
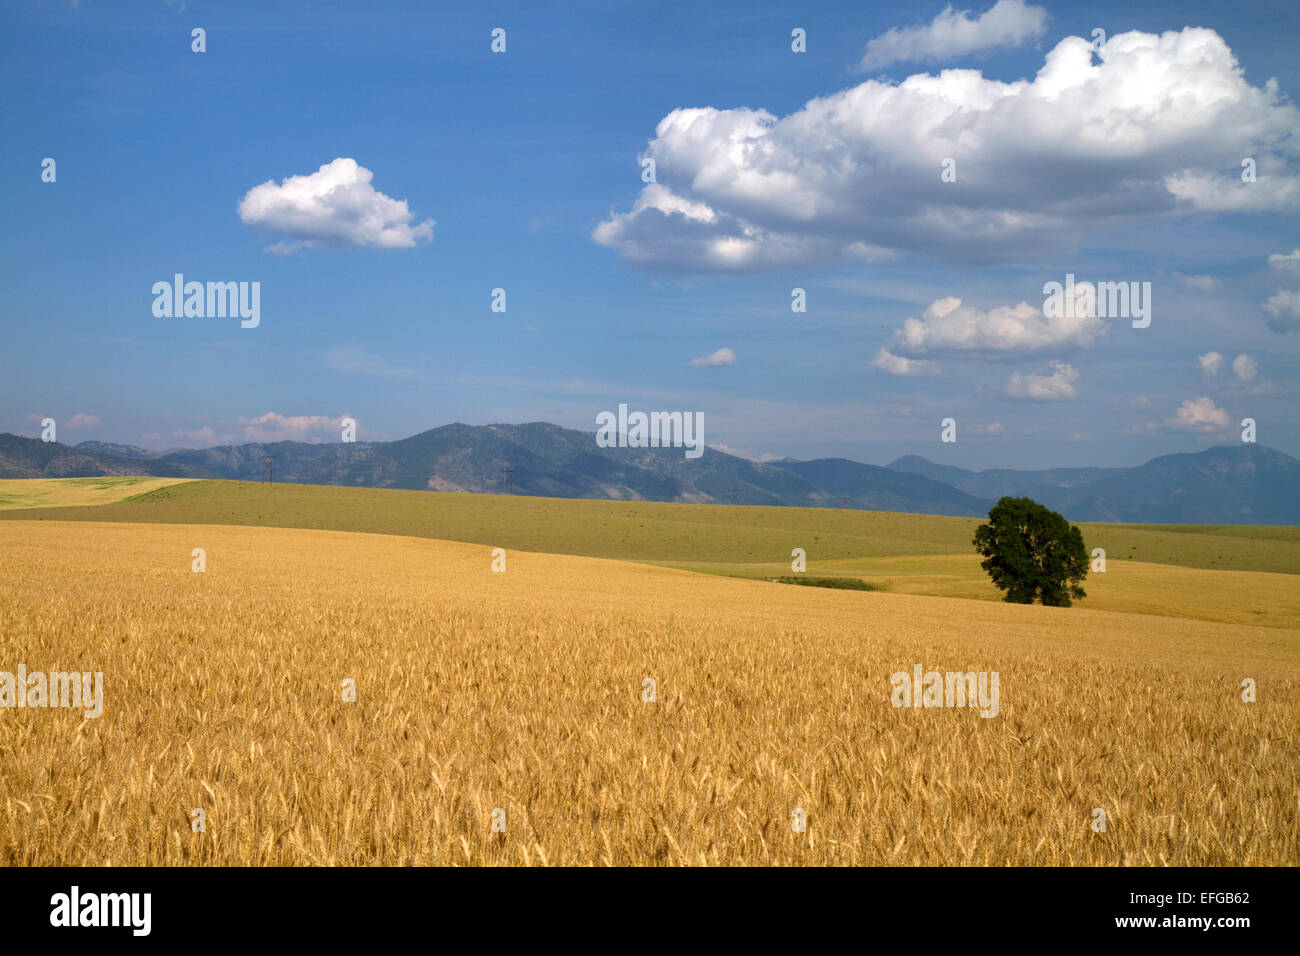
pixel 1240 484
pixel 1228 484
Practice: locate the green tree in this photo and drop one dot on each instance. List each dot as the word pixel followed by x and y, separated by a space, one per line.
pixel 1032 553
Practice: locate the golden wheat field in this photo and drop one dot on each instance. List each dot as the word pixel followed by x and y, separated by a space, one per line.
pixel 522 691
pixel 68 492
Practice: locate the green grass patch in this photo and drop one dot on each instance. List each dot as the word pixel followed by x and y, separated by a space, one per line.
pixel 846 584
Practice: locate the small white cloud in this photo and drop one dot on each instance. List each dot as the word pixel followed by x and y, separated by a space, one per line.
pixel 947 327
pixel 992 428
pixel 1140 401
pixel 1210 362
pixel 715 359
pixel 1285 262
pixel 334 206
pixel 954 33
pixel 1245 378
pixel 1056 385
pixel 1199 415
pixel 899 365
pixel 1201 283
pixel 82 421
pixel 271 427
pixel 1285 309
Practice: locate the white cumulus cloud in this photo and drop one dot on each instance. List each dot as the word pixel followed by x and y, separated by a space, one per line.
pixel 947 326
pixel 954 33
pixel 1245 378
pixel 1199 415
pixel 334 206
pixel 1090 142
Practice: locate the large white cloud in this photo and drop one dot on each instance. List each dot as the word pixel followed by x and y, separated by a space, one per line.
pixel 334 206
pixel 1148 127
pixel 1009 23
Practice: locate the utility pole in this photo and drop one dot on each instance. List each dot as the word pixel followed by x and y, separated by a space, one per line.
pixel 268 468
pixel 508 479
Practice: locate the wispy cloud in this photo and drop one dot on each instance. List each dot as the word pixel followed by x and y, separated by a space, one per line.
pixel 363 363
pixel 955 33
pixel 715 359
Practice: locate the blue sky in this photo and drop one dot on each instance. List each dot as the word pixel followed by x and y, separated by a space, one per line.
pixel 519 157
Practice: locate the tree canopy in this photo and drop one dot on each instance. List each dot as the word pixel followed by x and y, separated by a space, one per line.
pixel 1032 553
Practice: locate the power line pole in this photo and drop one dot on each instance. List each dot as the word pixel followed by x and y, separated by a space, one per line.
pixel 508 479
pixel 268 468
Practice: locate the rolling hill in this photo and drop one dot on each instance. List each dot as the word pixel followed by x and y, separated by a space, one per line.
pixel 537 459
pixel 1242 484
